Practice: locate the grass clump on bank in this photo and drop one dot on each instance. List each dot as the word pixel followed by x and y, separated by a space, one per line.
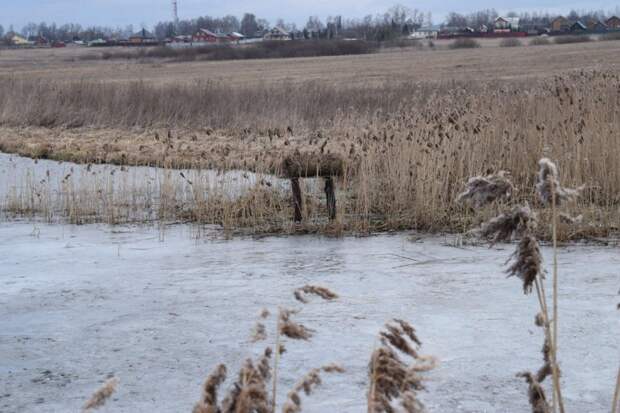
pixel 572 39
pixel 259 50
pixel 510 42
pixel 465 43
pixel 540 41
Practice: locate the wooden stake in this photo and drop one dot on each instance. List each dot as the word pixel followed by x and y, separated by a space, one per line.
pixel 331 197
pixel 297 199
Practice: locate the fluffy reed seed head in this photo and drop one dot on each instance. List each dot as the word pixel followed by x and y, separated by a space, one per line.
pixel 101 396
pixel 307 384
pixel 291 329
pixel 322 292
pixel 483 190
pixel 259 333
pixel 208 403
pixel 505 226
pixel 391 378
pixel 536 393
pixel 527 262
pixel 549 183
pixel 397 333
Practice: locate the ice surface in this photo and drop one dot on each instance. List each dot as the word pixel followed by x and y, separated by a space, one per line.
pixel 79 303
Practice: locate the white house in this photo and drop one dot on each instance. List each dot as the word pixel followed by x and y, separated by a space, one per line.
pixel 507 24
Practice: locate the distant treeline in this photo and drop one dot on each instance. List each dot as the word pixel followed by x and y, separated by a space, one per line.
pixel 395 22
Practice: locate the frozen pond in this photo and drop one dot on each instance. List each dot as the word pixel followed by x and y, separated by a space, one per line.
pixel 79 303
pixel 110 193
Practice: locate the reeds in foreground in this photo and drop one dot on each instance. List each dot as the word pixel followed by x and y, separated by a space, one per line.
pixel 101 396
pixel 322 292
pixel 208 402
pixel 249 393
pixel 307 384
pixel 390 377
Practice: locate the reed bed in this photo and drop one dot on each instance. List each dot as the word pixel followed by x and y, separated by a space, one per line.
pixel 407 149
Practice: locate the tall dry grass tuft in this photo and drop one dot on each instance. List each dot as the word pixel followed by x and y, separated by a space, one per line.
pixel 393 379
pixel 307 384
pixel 101 396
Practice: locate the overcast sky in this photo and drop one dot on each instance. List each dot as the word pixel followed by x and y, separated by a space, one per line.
pixel 137 12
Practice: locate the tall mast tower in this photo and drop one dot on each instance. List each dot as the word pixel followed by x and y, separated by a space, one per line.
pixel 175 14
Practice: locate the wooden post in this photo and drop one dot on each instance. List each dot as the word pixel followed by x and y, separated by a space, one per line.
pixel 297 200
pixel 331 197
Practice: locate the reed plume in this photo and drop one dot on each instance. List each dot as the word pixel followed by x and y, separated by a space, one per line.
pixel 209 403
pixel 287 328
pixel 527 262
pixel 322 292
pixel 292 329
pixel 101 396
pixel 536 393
pixel 249 393
pixel 518 221
pixel 390 377
pixel 307 384
pixel 482 190
pixel 259 332
pixel 549 185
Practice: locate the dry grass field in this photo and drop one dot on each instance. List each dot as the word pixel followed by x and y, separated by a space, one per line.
pixel 410 125
pixel 411 65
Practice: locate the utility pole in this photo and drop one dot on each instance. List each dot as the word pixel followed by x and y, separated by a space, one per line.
pixel 175 15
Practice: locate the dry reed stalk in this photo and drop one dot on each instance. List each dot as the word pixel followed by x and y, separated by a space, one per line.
pixel 615 408
pixel 102 395
pixel 322 292
pixel 551 192
pixel 307 384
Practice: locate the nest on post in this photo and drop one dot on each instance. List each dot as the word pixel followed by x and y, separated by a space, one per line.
pixel 309 165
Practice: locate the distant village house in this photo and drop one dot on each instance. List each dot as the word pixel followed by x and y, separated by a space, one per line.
pixel 507 24
pixel 560 25
pixel 277 33
pixel 207 36
pixel 613 23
